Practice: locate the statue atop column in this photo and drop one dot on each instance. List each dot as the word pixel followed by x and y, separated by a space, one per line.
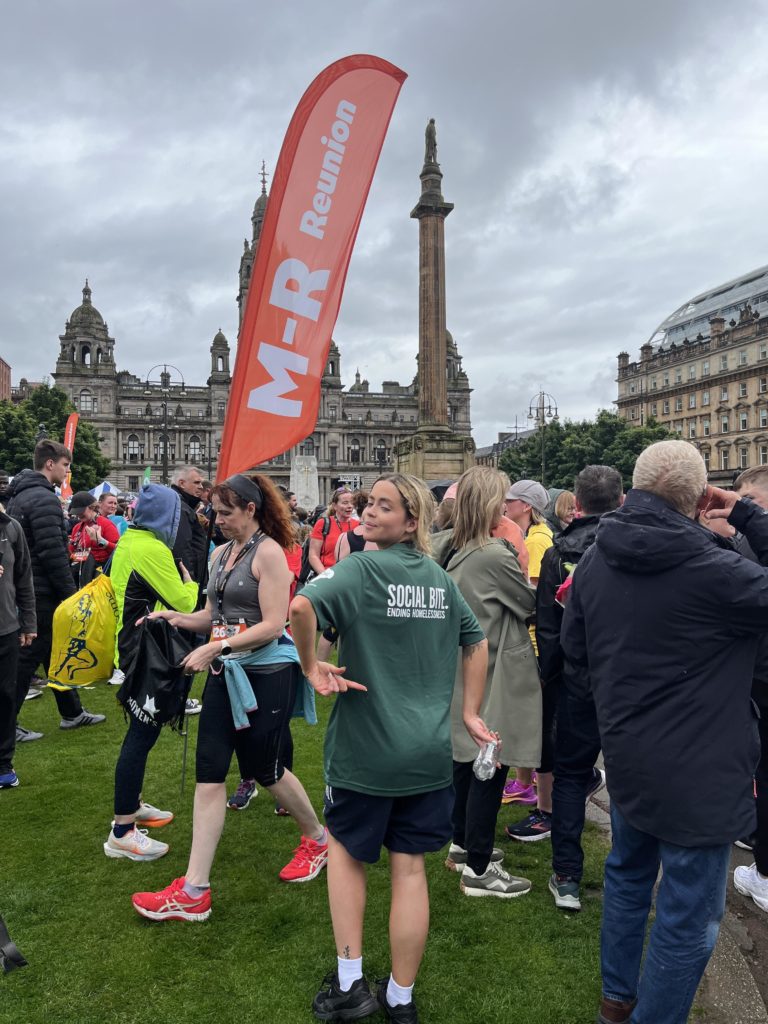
pixel 430 143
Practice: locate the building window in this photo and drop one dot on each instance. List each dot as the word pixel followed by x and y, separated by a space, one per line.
pixel 724 424
pixel 763 385
pixel 705 368
pixel 632 388
pixel 742 421
pixel 333 454
pixel 677 426
pixel 380 452
pixel 705 456
pixel 764 454
pixel 723 458
pixel 742 389
pixel 133 483
pixel 307 447
pixel 653 409
pixel 724 393
pixel 692 401
pixel 764 350
pixel 666 377
pixel 705 426
pixel 132 448
pixel 633 413
pixel 665 407
pixel 653 383
pixel 763 416
pixel 332 411
pixel 195 449
pixel 221 409
pixel 354 451
pixel 724 362
pixel 743 458
pixel 743 357
pixel 705 397
pixel 679 403
pixel 678 375
pixel 87 403
pixel 692 428
pixel 692 372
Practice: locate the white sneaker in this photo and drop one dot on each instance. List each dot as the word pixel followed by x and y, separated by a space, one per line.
pixel 117 678
pixel 457 857
pixel 152 817
pixel 193 707
pixel 494 881
pixel 750 883
pixel 135 845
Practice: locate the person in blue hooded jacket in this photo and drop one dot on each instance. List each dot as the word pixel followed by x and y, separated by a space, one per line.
pixel 144 577
pixel 665 624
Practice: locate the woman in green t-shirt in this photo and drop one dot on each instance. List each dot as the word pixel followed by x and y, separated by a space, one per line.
pixel 388 760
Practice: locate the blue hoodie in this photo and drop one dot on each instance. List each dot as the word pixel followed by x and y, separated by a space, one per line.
pixel 158 509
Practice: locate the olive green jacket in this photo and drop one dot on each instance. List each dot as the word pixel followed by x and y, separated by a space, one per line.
pixel 492 584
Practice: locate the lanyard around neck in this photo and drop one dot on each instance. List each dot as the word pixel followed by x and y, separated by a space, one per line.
pixel 222 575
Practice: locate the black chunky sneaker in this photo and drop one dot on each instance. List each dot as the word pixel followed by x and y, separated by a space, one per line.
pixel 331 1003
pixel 403 1014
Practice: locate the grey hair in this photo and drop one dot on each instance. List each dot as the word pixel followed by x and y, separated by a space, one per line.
pixel 182 472
pixel 675 472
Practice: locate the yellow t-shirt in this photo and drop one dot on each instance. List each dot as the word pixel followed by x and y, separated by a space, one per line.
pixel 537 540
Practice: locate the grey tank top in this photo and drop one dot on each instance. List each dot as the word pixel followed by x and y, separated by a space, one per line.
pixel 240 599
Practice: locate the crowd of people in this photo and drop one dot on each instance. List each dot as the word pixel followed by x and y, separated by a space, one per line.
pixel 572 637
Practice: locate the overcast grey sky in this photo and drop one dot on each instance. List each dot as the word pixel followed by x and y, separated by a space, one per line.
pixel 607 161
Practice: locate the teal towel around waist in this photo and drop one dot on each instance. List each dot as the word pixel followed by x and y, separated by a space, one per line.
pixel 240 691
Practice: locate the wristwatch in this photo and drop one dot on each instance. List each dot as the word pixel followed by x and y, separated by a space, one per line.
pixel 226 647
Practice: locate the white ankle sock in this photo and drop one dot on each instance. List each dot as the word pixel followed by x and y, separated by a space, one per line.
pixel 349 971
pixel 322 839
pixel 195 891
pixel 398 995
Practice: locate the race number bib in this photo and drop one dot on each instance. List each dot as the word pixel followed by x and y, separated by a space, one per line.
pixel 226 630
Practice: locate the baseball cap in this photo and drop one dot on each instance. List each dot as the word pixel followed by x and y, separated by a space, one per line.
pixel 81 500
pixel 531 492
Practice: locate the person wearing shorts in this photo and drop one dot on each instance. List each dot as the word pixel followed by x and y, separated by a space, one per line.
pixel 245 613
pixel 388 762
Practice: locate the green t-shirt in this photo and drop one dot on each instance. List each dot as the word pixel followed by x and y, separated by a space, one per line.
pixel 402 621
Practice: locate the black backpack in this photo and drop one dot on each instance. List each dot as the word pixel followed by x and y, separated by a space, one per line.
pixel 307 572
pixel 156 687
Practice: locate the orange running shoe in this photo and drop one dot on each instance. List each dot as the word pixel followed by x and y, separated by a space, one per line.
pixel 309 859
pixel 173 904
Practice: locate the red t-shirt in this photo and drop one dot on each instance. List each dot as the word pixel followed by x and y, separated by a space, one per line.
pixel 80 540
pixel 328 550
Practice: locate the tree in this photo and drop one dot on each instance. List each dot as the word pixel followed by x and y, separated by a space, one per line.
pixel 609 440
pixel 51 407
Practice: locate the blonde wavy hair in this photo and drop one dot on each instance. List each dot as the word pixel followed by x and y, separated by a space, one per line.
pixel 479 498
pixel 418 503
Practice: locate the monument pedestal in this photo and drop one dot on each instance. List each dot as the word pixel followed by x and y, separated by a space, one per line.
pixel 434 453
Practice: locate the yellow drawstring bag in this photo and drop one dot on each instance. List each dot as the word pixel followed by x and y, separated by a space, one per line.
pixel 83 647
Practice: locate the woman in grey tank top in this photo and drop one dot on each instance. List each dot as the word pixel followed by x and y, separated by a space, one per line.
pixel 246 611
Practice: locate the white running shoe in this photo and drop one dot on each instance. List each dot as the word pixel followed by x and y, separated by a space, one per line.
pixel 152 817
pixel 750 883
pixel 193 707
pixel 117 678
pixel 135 845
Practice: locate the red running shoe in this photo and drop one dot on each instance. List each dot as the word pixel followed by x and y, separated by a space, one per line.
pixel 309 859
pixel 173 904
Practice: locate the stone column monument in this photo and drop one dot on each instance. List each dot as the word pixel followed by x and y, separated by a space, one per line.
pixel 434 452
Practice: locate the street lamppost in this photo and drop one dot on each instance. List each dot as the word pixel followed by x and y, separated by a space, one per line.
pixel 165 386
pixel 541 409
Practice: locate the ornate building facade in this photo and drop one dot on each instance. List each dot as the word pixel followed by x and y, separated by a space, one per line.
pixel 704 375
pixel 158 420
pixel 161 421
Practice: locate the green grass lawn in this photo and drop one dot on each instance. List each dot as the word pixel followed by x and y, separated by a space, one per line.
pixel 267 945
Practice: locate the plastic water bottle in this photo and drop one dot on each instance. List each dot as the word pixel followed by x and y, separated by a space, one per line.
pixel 485 762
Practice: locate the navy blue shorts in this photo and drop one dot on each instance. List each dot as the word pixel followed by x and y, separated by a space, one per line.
pixel 403 824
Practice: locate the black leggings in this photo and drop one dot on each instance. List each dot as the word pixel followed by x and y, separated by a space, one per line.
pixel 474 812
pixel 260 747
pixel 761 782
pixel 131 764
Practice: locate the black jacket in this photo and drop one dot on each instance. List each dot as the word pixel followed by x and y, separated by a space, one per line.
pixel 667 625
pixel 566 551
pixel 191 546
pixel 33 502
pixel 17 595
pixel 760 678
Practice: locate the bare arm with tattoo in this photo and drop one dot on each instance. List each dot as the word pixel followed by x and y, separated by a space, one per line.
pixel 474 666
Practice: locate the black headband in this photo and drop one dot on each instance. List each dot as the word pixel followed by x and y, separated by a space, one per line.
pixel 246 489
